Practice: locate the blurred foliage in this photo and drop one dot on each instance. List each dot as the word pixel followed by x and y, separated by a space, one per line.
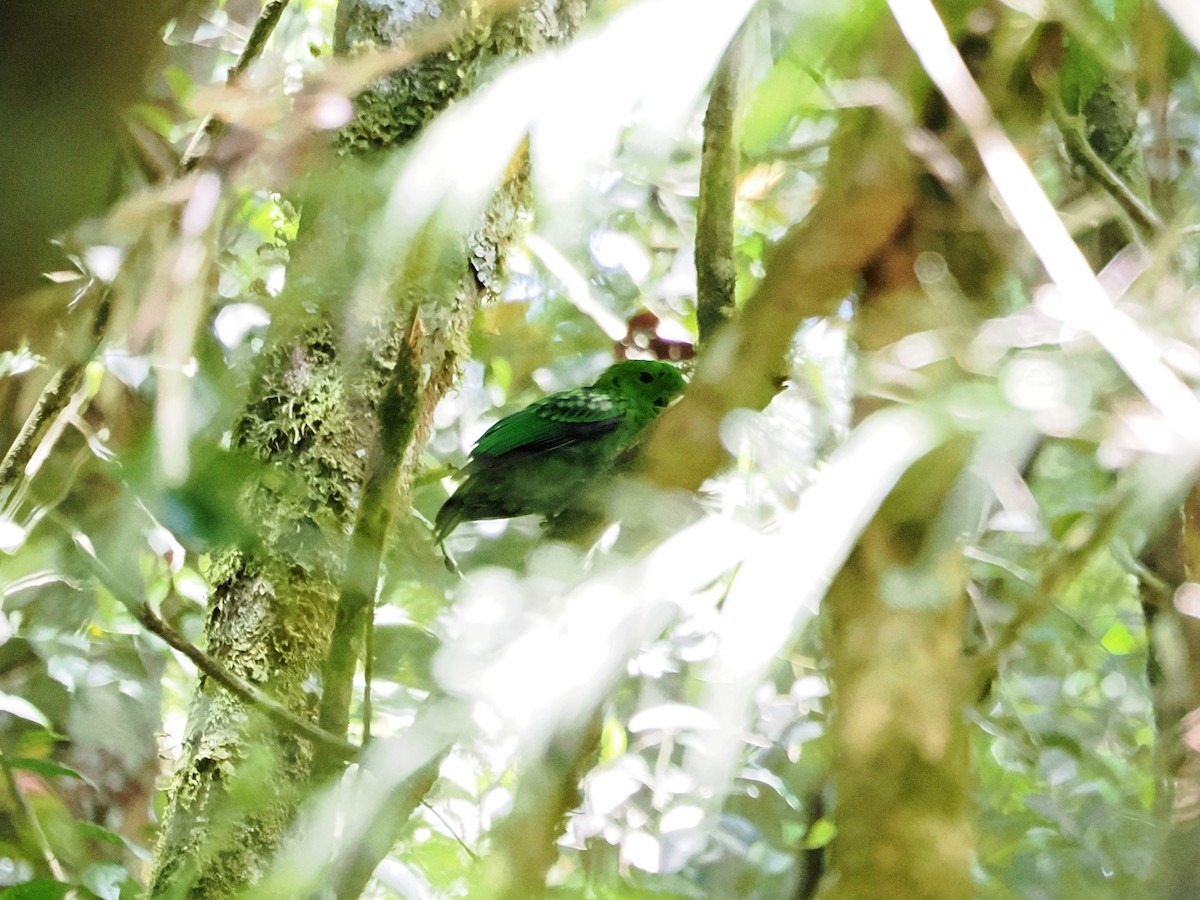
pixel 137 467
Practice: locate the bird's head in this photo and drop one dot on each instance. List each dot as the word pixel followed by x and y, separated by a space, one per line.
pixel 657 383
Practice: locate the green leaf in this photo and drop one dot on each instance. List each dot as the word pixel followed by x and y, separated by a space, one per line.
pixel 1118 640
pixel 153 117
pixel 613 740
pixel 95 832
pixel 405 651
pixel 38 889
pixel 821 833
pixel 45 768
pixel 775 103
pixel 179 81
pixel 36 742
pixel 500 374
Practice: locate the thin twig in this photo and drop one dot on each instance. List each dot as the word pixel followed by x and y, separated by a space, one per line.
pixel 1100 171
pixel 31 819
pixel 454 834
pixel 210 129
pixel 716 278
pixel 54 397
pixel 244 690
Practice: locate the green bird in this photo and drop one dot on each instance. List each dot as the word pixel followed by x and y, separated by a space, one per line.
pixel 543 458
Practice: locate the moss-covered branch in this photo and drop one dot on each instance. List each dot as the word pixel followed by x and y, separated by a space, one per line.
pixel 281 715
pixel 1074 130
pixel 212 668
pixel 399 407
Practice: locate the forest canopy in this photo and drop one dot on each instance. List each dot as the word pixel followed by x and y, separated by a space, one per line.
pixel 818 382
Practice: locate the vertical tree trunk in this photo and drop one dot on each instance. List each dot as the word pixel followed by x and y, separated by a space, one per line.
pixel 312 416
pixel 1178 718
pixel 902 767
pixel 895 614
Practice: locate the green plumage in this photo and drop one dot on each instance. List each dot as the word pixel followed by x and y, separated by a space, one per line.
pixel 541 459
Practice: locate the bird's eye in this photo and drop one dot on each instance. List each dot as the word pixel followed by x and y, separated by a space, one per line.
pixel 645 377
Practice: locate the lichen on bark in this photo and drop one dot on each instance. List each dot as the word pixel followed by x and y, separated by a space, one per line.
pixel 252 792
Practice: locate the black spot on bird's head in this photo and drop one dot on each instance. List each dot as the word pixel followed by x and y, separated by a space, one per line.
pixel 645 377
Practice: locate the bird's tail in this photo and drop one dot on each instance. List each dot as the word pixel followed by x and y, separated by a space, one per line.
pixel 449 517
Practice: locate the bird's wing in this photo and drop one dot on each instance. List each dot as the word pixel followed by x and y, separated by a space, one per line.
pixel 554 421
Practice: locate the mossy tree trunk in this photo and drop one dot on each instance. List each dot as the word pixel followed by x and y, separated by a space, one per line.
pixel 313 417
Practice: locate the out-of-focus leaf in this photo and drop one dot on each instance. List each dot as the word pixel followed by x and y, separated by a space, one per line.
pixel 154 117
pixel 95 832
pixel 613 740
pixel 820 834
pixel 19 706
pixel 105 880
pixel 405 651
pixel 1117 640
pixel 45 768
pixel 37 889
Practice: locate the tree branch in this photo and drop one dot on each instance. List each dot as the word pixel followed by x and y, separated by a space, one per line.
pixel 355 866
pixel 244 690
pixel 1098 170
pixel 398 409
pixel 817 264
pixel 526 841
pixel 54 397
pixel 210 129
pixel 1083 298
pixel 268 705
pixel 716 279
